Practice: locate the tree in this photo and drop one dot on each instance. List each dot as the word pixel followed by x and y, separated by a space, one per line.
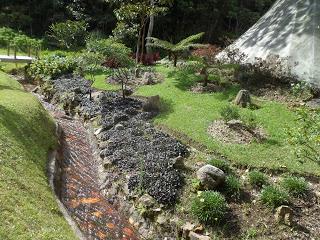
pixel 69 34
pixel 175 50
pixel 133 18
pixel 116 57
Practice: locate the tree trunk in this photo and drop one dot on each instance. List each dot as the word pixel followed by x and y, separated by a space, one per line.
pixel 143 42
pixel 150 29
pixel 138 46
pixel 175 60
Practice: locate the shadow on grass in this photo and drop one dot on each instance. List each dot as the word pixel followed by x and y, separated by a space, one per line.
pixel 23 131
pixel 166 108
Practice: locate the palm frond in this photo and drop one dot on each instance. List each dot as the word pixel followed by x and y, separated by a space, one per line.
pixel 158 43
pixel 190 39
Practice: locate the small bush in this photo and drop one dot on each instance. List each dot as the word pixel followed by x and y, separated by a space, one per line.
pixel 250 120
pixel 232 186
pixel 209 207
pixel 52 66
pixel 258 179
pixel 221 164
pixel 229 113
pixel 294 185
pixel 274 196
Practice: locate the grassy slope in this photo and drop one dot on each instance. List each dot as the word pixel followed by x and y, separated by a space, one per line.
pixel 192 113
pixel 28 209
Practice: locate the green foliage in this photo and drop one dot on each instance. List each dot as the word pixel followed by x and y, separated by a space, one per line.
pixel 258 179
pixel 249 120
pixel 27 133
pixel 232 186
pixel 294 185
pixel 273 196
pixel 52 66
pixel 69 34
pixel 305 135
pixel 178 48
pixel 209 207
pixel 221 164
pixel 13 39
pixel 229 113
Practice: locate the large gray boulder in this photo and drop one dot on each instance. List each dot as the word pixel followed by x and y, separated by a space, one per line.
pixel 210 177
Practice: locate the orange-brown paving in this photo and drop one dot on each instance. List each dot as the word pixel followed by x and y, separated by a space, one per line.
pixel 79 190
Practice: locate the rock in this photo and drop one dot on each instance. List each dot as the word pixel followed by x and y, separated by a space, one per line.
pixel 196 236
pixel 147 201
pixel 284 214
pixel 148 78
pixel 314 103
pixel 128 91
pixel 36 89
pixel 178 162
pixel 161 220
pixel 98 131
pixel 210 177
pixel 235 123
pixel 152 104
pixel 119 127
pixel 243 98
pixel 186 229
pixel 107 164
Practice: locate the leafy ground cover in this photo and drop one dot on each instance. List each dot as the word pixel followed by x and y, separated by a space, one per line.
pixel 28 208
pixel 191 114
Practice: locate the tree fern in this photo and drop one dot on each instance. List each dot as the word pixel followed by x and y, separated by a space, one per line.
pixel 175 49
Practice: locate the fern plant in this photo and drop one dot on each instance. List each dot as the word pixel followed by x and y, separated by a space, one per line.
pixel 174 50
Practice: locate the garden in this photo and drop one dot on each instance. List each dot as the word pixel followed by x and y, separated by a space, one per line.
pixel 123 135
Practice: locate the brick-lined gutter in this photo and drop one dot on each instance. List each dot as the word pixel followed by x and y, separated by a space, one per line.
pixel 73 176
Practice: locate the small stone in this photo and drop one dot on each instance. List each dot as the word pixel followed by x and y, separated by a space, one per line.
pixel 119 127
pixel 103 145
pixel 178 162
pixel 98 131
pixel 152 104
pixel 210 177
pixel 107 164
pixel 243 98
pixel 196 236
pixel 284 214
pixel 161 220
pixel 147 201
pixel 199 229
pixel 186 229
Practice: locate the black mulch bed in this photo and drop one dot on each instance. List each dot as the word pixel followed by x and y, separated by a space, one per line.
pixel 133 143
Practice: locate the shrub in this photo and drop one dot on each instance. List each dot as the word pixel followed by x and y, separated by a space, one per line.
pixel 274 196
pixel 249 120
pixel 221 164
pixel 294 185
pixel 305 135
pixel 232 186
pixel 229 113
pixel 52 66
pixel 69 34
pixel 258 179
pixel 209 207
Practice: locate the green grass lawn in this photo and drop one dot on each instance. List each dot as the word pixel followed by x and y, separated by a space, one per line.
pixel 191 114
pixel 27 207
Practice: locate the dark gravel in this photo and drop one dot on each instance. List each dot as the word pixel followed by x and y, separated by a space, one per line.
pixel 133 144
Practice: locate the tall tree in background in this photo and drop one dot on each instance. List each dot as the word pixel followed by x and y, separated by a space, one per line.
pixel 133 17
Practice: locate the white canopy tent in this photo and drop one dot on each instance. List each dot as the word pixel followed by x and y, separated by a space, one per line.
pixel 291 30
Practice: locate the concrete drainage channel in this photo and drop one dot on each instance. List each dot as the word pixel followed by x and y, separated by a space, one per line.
pixel 72 172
